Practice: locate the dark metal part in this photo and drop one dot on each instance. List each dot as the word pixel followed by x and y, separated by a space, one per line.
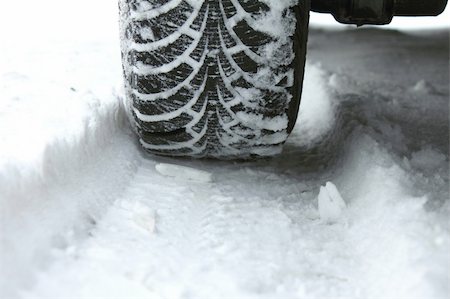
pixel 419 7
pixel 377 12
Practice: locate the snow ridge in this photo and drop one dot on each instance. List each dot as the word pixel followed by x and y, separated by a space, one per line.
pixel 53 202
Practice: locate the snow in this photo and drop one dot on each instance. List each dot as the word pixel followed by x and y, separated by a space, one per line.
pixel 330 203
pixel 183 173
pixel 317 114
pixel 428 159
pixel 144 217
pixel 278 22
pixel 85 214
pixel 423 87
pixel 277 123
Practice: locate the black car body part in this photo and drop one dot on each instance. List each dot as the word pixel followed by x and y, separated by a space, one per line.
pixel 376 12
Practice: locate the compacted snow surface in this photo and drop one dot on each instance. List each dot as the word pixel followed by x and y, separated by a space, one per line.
pixel 356 206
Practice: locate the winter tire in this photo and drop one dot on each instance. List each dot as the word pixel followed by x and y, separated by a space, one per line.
pixel 213 78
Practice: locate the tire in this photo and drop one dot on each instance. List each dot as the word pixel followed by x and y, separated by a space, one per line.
pixel 213 78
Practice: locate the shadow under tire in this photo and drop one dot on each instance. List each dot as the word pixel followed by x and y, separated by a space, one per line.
pixel 213 78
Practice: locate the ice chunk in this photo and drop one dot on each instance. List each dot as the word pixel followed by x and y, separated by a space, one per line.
pixel 184 173
pixel 331 203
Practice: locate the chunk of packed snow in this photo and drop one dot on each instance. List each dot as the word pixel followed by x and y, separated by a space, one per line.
pixel 184 173
pixel 330 202
pixel 427 159
pixel 278 20
pixel 276 123
pixel 317 112
pixel 340 83
pixel 144 217
pixel 423 87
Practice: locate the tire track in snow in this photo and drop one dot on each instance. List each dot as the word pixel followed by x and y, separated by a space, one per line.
pixel 254 232
pixel 244 243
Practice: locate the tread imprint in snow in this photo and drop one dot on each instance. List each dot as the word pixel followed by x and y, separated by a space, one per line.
pixel 192 74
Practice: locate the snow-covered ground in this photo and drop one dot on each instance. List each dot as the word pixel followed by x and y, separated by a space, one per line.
pixel 357 205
